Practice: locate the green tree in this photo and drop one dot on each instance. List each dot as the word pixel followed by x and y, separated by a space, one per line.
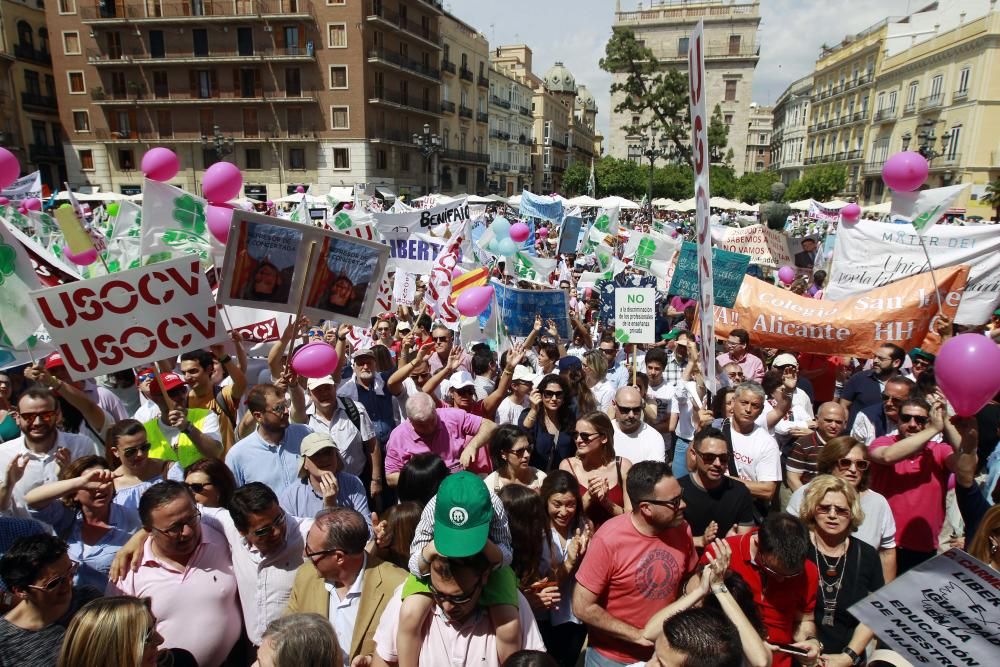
pixel 992 196
pixel 755 187
pixel 718 138
pixel 574 181
pixel 722 181
pixel 620 177
pixel 820 183
pixel 673 181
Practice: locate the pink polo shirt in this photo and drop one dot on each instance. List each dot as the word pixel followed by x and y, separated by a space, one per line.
pixel 753 367
pixel 196 609
pixel 454 431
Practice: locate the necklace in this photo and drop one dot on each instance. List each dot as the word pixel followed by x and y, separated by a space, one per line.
pixel 830 590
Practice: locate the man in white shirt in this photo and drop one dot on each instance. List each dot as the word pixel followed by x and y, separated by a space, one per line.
pixel 755 451
pixel 635 440
pixel 35 457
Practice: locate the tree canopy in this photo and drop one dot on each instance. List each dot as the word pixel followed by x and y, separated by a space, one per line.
pixel 821 183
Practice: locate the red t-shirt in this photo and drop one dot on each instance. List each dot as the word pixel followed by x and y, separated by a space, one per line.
pixel 780 602
pixel 825 383
pixel 634 576
pixel 915 488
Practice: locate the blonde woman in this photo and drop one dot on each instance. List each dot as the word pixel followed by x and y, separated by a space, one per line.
pixel 598 471
pixel 985 544
pixel 595 374
pixel 849 569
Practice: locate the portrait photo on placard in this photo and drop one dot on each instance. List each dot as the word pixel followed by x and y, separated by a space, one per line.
pixel 344 280
pixel 265 263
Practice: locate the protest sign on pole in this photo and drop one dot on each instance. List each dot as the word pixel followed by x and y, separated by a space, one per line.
pixel 174 224
pixel 729 270
pixel 345 279
pixel 872 254
pixel 765 246
pixel 517 309
pixel 24 187
pixel 607 289
pixel 646 250
pixel 569 235
pixel 17 277
pixel 901 313
pixel 698 89
pixel 131 318
pixel 49 269
pixel 635 315
pixel 942 612
pixel 821 212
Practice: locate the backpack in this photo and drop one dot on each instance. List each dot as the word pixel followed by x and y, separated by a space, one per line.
pixel 352 411
pixel 220 401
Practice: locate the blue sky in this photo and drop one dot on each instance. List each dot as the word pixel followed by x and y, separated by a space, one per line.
pixel 575 32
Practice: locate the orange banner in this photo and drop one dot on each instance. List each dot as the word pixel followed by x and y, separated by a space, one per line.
pixel 899 313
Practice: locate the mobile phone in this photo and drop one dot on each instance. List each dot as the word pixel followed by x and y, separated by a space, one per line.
pixel 792 650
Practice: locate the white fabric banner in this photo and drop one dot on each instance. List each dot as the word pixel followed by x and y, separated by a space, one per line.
pixel 24 187
pixel 871 254
pixel 174 224
pixel 923 208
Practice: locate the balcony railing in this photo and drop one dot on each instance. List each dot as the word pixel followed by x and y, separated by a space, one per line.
pixel 885 115
pixel 910 108
pixel 482 81
pixel 524 111
pixel 378 11
pixel 388 134
pixel 382 95
pixel 524 170
pixel 448 66
pixel 499 134
pixel 525 140
pixel 500 102
pixel 465 112
pixel 138 57
pixel 465 73
pixel 46 152
pixel 27 52
pixel 482 117
pixel 960 94
pixel 39 100
pixel 559 144
pixel 465 156
pixel 874 166
pixel 195 136
pixel 946 161
pixel 156 11
pixel 259 94
pixel 447 107
pixel 931 101
pixel 405 63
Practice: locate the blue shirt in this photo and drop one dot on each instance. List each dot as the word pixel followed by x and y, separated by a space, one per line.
pixel 253 459
pixel 95 559
pixel 379 407
pixel 301 499
pixel 618 376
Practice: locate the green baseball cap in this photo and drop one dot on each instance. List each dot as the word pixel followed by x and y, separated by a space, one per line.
pixel 462 515
pixel 672 334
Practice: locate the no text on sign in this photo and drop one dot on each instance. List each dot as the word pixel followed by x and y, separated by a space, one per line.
pixel 635 314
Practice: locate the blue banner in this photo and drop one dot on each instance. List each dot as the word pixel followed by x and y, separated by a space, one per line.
pixel 728 271
pixel 518 307
pixel 569 237
pixel 537 206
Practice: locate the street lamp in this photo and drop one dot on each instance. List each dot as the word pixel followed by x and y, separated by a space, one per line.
pixel 926 139
pixel 428 144
pixel 647 148
pixel 218 142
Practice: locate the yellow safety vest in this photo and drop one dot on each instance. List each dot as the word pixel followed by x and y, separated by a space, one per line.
pixel 185 453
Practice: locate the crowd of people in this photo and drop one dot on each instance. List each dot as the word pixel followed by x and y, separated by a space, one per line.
pixel 434 502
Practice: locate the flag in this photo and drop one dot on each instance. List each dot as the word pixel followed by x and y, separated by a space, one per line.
pixel 301 212
pixel 645 249
pixel 439 285
pixel 174 224
pixel 384 299
pixel 18 316
pixel 533 269
pixel 475 278
pixel 923 208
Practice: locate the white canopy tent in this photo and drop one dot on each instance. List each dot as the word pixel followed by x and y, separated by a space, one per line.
pixel 682 206
pixel 801 205
pixel 663 202
pixel 878 209
pixel 296 197
pixel 90 197
pixel 340 194
pixel 615 200
pixel 583 201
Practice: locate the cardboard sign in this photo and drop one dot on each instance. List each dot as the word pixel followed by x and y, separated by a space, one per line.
pixel 765 246
pixel 900 313
pixel 131 318
pixel 729 270
pixel 945 611
pixel 517 309
pixel 345 278
pixel 635 315
pixel 608 288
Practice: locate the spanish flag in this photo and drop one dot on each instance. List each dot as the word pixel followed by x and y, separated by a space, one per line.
pixel 475 278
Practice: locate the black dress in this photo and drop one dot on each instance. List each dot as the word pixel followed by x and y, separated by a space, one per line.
pixel 863 576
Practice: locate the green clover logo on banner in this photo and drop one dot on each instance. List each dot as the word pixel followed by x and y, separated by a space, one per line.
pixel 602 223
pixel 603 259
pixel 8 257
pixel 621 336
pixel 5 340
pixel 343 221
pixel 190 213
pixel 644 253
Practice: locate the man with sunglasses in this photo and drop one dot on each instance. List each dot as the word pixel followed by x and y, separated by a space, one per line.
pixel 882 418
pixel 738 351
pixel 716 505
pixel 36 456
pixel 39 574
pixel 911 470
pixel 634 567
pixel 635 440
pixel 444 340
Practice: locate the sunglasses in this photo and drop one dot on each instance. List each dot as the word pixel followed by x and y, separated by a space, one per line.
pixel 708 458
pixel 673 503
pixel 146 377
pixel 523 451
pixel 921 362
pixel 55 582
pixel 279 409
pixel 774 573
pixel 919 419
pixel 453 599
pixel 198 487
pixel 177 529
pixel 267 530
pixel 441 339
pixel 585 437
pixel 132 451
pixel 624 409
pixel 466 391
pixel 886 398
pixel 551 394
pixel 46 417
pixel 860 464
pixel 842 512
pixel 315 333
pixel 607 351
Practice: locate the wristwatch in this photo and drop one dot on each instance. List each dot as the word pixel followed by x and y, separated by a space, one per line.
pixel 855 658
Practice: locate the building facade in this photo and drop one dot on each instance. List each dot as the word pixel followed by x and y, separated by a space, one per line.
pixel 292 91
pixel 731 54
pixel 29 120
pixel 758 141
pixel 583 128
pixel 511 133
pixel 464 158
pixel 790 119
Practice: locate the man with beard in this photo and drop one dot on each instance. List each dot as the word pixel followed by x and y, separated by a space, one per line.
pixel 635 440
pixel 801 466
pixel 187 572
pixel 271 453
pixel 716 505
pixel 882 418
pixel 865 388
pixel 634 566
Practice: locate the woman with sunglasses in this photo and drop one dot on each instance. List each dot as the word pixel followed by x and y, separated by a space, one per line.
pixel 129 448
pixel 599 473
pixel 86 516
pixel 211 482
pixel 549 423
pixel 848 459
pixel 511 453
pixel 849 569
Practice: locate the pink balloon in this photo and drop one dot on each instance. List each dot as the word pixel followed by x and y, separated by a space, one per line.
pixel 474 300
pixel 348 206
pixel 10 168
pixel 786 274
pixel 160 164
pixel 4 201
pixel 315 360
pixel 519 232
pixel 22 210
pixel 456 272
pixel 221 182
pixel 962 372
pixel 905 171
pixel 299 189
pixel 543 232
pixel 85 258
pixel 851 212
pixel 269 203
pixel 32 204
pixel 218 217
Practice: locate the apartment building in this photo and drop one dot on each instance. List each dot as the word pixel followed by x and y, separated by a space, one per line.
pixel 790 119
pixel 583 128
pixel 758 141
pixel 464 158
pixel 511 133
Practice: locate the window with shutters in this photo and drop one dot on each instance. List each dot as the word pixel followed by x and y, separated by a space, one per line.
pixel 296 158
pixel 338 77
pixel 81 121
pixel 250 126
pixel 77 85
pixel 71 43
pixel 126 159
pixel 337 33
pixel 165 123
pixel 252 157
pixel 341 158
pixel 206 122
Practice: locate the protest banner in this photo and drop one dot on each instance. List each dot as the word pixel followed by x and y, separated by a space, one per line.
pixel 404 288
pixel 607 288
pixel 423 219
pixel 697 90
pixel 49 269
pixel 17 277
pixel 647 249
pixel 253 324
pixel 901 313
pixel 344 280
pixel 728 268
pixel 569 235
pixel 872 254
pixel 416 237
pixel 765 246
pixel 539 206
pixel 532 269
pixel 517 309
pixel 132 318
pixel 635 315
pixel 24 187
pixel 265 262
pixel 942 612
pixel 174 224
pixel 820 212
